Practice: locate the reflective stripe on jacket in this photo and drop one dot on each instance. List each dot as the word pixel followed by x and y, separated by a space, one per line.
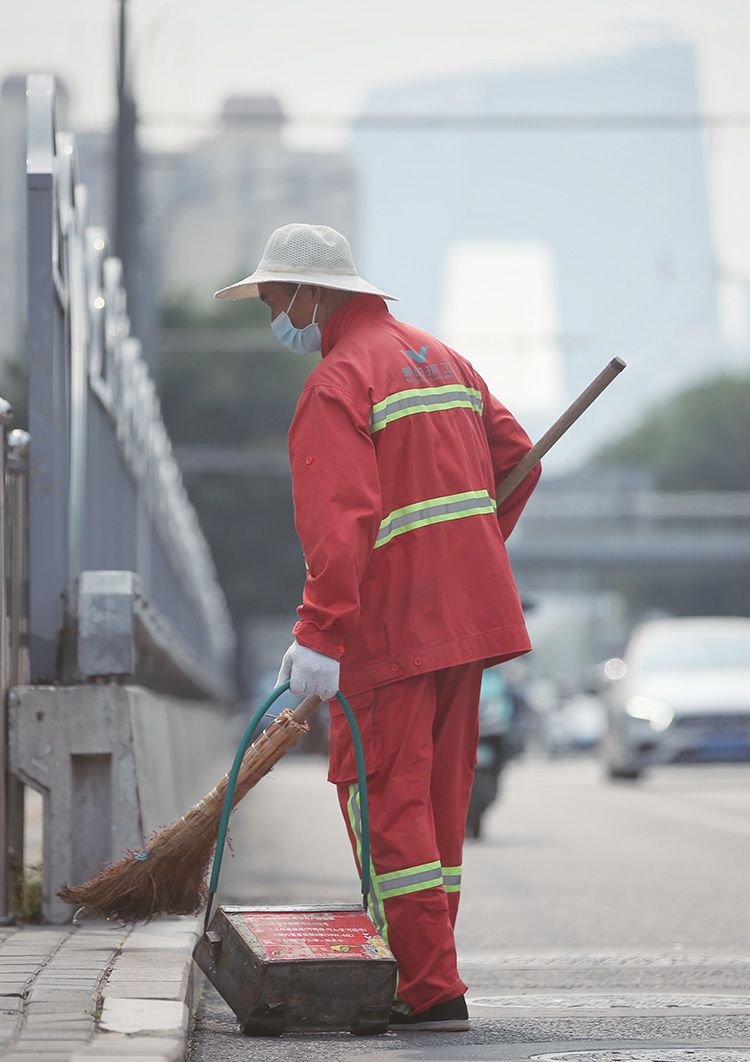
pixel 396 449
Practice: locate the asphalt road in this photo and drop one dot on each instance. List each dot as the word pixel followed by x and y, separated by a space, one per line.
pixel 612 920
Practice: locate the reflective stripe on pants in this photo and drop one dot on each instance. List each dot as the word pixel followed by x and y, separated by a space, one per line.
pixel 420 737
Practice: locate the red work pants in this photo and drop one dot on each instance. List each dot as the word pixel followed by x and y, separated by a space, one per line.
pixel 420 740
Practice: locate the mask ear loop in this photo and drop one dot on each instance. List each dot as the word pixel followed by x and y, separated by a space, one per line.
pixel 294 297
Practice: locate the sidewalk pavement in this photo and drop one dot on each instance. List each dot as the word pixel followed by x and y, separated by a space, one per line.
pixel 97 991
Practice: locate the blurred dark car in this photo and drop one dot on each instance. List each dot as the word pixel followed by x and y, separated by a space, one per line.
pixel 680 695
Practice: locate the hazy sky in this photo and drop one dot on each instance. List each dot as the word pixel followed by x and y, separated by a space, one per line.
pixel 323 56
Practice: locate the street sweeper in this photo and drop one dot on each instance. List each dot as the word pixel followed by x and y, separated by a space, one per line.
pixel 396 449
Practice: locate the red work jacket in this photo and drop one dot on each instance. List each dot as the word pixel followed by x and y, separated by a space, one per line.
pixel 396 449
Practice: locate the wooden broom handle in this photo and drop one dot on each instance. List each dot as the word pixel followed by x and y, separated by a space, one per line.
pixel 558 429
pixel 304 710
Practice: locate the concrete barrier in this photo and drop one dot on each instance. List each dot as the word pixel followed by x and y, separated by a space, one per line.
pixel 113 763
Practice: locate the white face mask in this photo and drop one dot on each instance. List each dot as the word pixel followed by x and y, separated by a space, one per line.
pixel 305 340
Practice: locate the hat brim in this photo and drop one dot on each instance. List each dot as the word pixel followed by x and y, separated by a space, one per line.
pixel 248 288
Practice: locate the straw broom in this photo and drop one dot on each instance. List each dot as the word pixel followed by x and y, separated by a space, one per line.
pixel 169 875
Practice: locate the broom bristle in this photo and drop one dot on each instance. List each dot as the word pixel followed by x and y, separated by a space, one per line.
pixel 169 876
pixel 171 879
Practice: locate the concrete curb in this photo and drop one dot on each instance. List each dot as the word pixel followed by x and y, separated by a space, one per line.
pixel 75 994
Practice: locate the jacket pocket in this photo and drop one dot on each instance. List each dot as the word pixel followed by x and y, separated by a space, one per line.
pixel 342 765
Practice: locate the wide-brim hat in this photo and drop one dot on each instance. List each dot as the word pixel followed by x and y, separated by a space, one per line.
pixel 304 254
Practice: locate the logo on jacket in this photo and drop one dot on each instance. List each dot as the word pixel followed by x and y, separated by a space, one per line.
pixel 442 371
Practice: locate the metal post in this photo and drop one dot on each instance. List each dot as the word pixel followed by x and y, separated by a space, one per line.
pixel 49 385
pixel 5 415
pixel 17 473
pixel 18 482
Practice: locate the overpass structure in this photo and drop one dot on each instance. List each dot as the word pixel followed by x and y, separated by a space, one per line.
pixel 575 532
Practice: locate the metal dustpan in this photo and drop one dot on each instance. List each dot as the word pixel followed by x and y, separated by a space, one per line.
pixel 299 969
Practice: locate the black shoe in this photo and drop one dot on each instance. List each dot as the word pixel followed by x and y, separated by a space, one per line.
pixel 451 1016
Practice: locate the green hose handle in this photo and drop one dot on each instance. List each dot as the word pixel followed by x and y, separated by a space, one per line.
pixel 234 772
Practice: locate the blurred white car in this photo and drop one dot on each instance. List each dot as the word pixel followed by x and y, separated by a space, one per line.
pixel 680 695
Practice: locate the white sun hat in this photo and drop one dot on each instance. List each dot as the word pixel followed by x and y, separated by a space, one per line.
pixel 304 254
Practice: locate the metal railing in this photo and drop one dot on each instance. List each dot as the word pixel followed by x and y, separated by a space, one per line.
pixel 105 489
pixel 14 620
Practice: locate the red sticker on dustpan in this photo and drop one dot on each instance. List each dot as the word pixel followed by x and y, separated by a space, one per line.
pixel 316 935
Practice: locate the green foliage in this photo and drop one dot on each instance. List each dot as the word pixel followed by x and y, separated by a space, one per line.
pixel 698 440
pixel 26 892
pixel 14 389
pixel 238 400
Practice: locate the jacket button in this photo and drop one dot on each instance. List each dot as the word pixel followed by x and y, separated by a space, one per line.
pixel 395 668
pixel 308 460
pixel 418 661
pixel 339 648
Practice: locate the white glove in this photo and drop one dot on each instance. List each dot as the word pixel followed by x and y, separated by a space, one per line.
pixel 309 672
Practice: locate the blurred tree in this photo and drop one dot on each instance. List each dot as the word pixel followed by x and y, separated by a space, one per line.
pixel 14 389
pixel 242 399
pixel 698 440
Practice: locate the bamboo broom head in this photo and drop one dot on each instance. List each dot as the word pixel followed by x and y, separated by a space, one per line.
pixel 169 876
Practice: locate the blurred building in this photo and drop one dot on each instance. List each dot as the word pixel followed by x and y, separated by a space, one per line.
pixel 540 249
pixel 214 206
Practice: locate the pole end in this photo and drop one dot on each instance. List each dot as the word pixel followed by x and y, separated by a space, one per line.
pixel 209 905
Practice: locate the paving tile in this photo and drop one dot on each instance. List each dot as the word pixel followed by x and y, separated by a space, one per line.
pixel 52 1042
pixel 32 946
pixel 175 924
pixel 74 993
pixel 64 983
pixel 161 989
pixel 83 1029
pixel 98 959
pixel 111 1046
pixel 111 936
pixel 26 962
pixel 68 954
pixel 167 972
pixel 75 947
pixel 28 939
pixel 83 1057
pixel 53 1006
pixel 58 1032
pixel 154 960
pixel 144 1015
pixel 145 960
pixel 47 1054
